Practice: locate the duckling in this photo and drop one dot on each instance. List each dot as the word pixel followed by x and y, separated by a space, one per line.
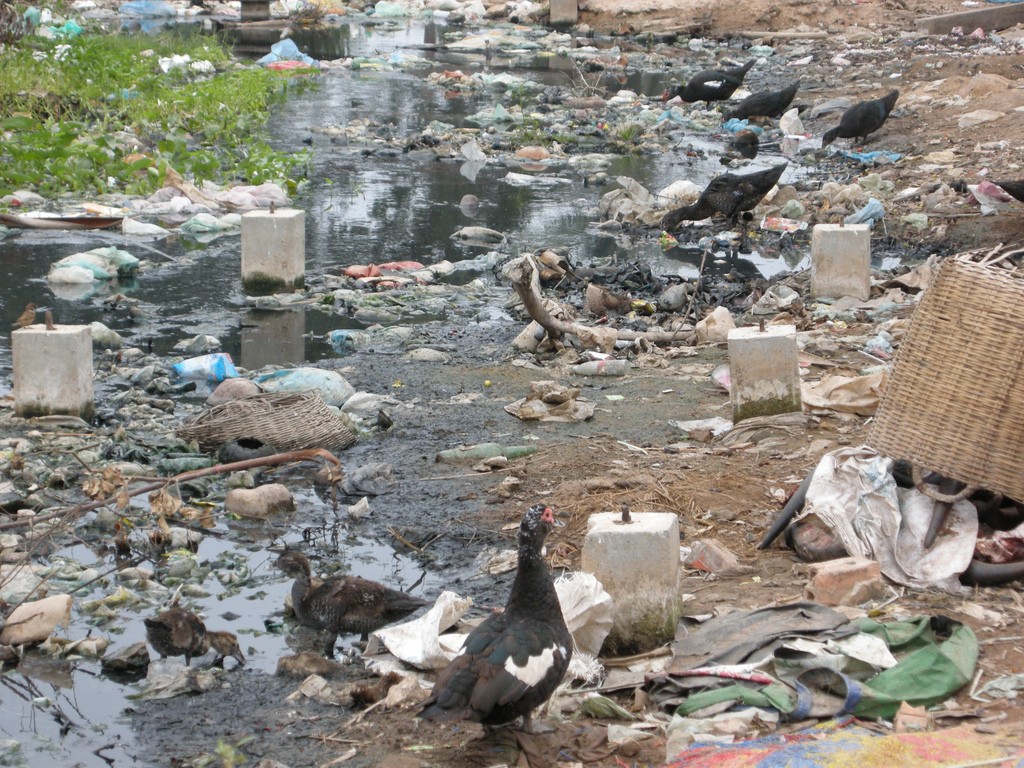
pixel 343 604
pixel 177 632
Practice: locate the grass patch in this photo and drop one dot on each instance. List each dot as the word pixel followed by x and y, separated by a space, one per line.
pixel 98 113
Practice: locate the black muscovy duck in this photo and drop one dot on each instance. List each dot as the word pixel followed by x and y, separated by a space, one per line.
pixel 1013 188
pixel 710 84
pixel 513 661
pixel 729 194
pixel 343 604
pixel 768 104
pixel 177 632
pixel 863 119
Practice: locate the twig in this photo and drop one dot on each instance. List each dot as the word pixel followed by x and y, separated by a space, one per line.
pixel 523 279
pixel 308 454
pixel 401 538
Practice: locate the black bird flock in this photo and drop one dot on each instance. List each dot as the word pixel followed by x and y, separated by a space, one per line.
pixel 767 104
pixel 710 85
pixel 512 662
pixel 863 119
pixel 728 194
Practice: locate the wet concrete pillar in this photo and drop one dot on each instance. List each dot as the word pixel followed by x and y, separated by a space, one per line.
pixel 563 13
pixel 273 251
pixel 255 10
pixel 765 370
pixel 841 261
pixel 638 564
pixel 52 371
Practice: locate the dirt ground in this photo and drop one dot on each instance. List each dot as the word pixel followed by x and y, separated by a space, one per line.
pixel 630 454
pixel 733 493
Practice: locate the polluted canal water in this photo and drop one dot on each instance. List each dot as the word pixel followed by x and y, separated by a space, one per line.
pixel 376 192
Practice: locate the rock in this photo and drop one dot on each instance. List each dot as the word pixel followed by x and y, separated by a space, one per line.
pixel 232 389
pixel 977 117
pixel 304 664
pixel 259 502
pixel 674 298
pixel 134 658
pixel 715 327
pixel 425 355
pixel 847 581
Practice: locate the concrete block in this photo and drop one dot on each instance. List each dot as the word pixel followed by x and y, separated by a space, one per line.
pixel 563 13
pixel 841 261
pixel 765 370
pixel 846 581
pixel 273 251
pixel 638 564
pixel 52 371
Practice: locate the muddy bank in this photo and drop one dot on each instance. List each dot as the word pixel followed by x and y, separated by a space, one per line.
pixel 386 184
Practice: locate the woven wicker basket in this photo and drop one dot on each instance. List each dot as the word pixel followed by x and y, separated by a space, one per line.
pixel 289 421
pixel 955 401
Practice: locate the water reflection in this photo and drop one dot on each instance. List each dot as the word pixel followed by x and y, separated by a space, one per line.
pixel 270 337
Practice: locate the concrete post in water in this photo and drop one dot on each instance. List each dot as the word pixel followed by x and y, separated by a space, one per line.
pixel 765 371
pixel 273 251
pixel 255 10
pixel 637 562
pixel 841 261
pixel 563 13
pixel 52 371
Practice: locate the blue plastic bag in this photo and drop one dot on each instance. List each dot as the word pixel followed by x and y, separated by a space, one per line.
pixel 213 368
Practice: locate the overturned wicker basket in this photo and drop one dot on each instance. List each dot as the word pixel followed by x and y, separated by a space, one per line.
pixel 955 401
pixel 288 421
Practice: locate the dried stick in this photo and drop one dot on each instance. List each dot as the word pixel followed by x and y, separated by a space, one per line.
pixel 308 454
pixel 527 287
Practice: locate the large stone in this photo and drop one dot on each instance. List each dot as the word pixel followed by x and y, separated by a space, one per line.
pixel 262 501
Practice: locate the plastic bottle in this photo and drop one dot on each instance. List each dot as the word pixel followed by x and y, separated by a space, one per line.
pixel 601 368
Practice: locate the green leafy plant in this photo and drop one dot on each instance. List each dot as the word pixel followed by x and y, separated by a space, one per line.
pixel 102 113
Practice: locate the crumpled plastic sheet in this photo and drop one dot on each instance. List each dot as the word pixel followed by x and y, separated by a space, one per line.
pixel 287 50
pixel 854 494
pixel 870 158
pixel 845 394
pixel 869 214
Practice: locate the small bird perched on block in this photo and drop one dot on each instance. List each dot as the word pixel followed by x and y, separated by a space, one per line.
pixel 27 317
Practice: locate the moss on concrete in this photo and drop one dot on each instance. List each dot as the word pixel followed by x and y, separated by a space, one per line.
pixel 262 284
pixel 646 631
pixel 770 407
